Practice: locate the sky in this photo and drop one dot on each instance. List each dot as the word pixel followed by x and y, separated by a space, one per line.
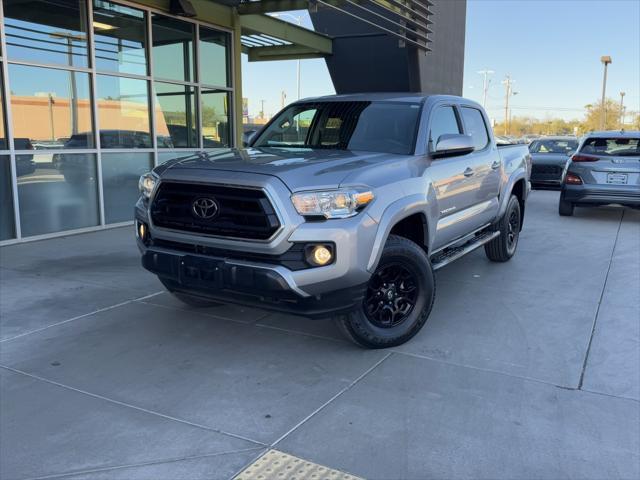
pixel 551 48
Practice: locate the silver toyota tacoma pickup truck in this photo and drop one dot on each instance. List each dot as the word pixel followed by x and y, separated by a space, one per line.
pixel 341 206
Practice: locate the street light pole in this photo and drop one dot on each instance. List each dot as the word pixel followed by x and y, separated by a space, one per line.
pixel 485 85
pixel 622 94
pixel 606 60
pixel 508 83
pixel 298 20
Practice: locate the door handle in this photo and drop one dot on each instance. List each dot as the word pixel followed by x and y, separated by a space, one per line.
pixel 468 172
pixel 495 165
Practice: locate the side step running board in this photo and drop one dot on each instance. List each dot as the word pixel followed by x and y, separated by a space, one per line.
pixel 450 254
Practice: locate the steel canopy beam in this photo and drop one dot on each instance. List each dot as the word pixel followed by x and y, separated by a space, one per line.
pixel 283 52
pixel 286 31
pixel 268 6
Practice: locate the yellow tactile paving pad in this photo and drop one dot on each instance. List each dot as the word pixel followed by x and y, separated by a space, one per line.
pixel 282 466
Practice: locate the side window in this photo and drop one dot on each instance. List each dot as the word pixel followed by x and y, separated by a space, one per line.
pixel 443 121
pixel 475 126
pixel 291 130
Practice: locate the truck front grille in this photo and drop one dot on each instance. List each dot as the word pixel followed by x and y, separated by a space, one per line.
pixel 239 212
pixel 546 169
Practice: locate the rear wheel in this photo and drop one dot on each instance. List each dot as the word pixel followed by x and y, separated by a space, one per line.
pixel 565 209
pixel 398 300
pixel 503 247
pixel 191 300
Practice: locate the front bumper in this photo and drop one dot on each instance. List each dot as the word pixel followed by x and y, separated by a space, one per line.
pixel 230 281
pixel 590 194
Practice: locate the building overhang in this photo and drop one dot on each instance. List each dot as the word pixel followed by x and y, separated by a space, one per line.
pixel 265 37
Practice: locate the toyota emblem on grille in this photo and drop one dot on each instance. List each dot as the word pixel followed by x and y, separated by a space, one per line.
pixel 205 208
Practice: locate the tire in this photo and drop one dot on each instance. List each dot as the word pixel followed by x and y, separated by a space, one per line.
pixel 503 247
pixel 192 301
pixel 409 294
pixel 565 209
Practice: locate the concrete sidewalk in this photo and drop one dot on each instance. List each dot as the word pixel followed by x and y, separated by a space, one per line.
pixel 529 369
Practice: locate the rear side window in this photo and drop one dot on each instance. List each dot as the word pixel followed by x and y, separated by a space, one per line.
pixel 619 147
pixel 443 121
pixel 475 126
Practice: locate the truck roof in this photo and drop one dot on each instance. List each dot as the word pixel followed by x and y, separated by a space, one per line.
pixel 407 97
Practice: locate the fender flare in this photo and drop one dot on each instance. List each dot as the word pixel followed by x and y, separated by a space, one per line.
pixel 394 213
pixel 520 174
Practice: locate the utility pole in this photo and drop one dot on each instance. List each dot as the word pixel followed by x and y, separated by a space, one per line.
pixel 606 60
pixel 508 83
pixel 262 108
pixel 283 98
pixel 622 94
pixel 485 85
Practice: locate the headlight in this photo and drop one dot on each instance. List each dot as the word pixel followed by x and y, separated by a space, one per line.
pixel 147 183
pixel 331 204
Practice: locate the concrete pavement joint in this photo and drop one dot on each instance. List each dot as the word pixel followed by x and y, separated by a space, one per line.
pixel 212 315
pixel 100 310
pixel 595 319
pixel 143 464
pixel 135 407
pixel 322 407
pixel 510 375
pixel 242 469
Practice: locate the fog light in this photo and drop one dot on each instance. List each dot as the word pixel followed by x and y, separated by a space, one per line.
pixel 142 231
pixel 320 255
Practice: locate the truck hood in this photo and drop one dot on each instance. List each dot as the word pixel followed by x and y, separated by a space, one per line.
pixel 299 169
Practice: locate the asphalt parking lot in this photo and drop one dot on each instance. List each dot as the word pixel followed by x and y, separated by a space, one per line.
pixel 529 369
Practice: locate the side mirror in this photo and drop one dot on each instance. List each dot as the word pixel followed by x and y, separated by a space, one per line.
pixel 452 145
pixel 247 137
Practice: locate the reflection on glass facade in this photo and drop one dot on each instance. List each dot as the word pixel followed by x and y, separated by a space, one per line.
pixel 216 131
pixel 120 39
pixel 176 124
pixel 49 106
pixel 173 42
pixel 60 194
pixel 47 31
pixel 3 135
pixel 214 53
pixel 123 109
pixel 94 93
pixel 120 174
pixel 7 221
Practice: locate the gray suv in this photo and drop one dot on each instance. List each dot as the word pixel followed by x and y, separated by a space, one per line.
pixel 604 170
pixel 341 207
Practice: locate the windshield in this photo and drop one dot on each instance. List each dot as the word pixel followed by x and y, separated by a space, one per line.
pixel 384 127
pixel 615 147
pixel 553 146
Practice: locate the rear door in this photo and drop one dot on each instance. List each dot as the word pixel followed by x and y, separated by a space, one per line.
pixel 456 187
pixel 487 164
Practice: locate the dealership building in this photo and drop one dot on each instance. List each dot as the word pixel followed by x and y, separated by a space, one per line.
pixel 96 92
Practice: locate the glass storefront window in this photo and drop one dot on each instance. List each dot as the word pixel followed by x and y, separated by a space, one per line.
pixel 176 124
pixel 50 108
pixel 123 109
pixel 120 39
pixel 173 49
pixel 214 49
pixel 47 31
pixel 120 174
pixel 7 221
pixel 61 193
pixel 216 132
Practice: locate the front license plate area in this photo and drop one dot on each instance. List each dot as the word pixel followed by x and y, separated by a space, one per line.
pixel 617 178
pixel 200 272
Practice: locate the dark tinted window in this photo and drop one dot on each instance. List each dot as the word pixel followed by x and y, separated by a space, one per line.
pixel 621 147
pixel 369 126
pixel 443 122
pixel 475 126
pixel 553 146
